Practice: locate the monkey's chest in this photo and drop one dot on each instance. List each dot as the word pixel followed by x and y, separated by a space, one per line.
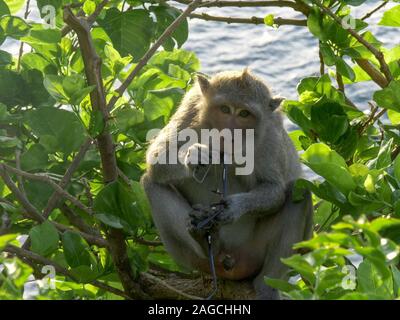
pixel 206 187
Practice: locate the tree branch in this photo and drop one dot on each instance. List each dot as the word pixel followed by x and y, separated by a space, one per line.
pixel 77 221
pixel 32 213
pixel 375 75
pixel 22 253
pixel 253 20
pixel 92 63
pixel 91 19
pixel 52 202
pixel 143 61
pixel 55 186
pixel 369 14
pixel 377 53
pixel 241 4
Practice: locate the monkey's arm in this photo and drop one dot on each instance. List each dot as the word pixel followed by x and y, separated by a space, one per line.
pixel 266 198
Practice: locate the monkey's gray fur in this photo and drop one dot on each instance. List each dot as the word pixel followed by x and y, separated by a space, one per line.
pixel 261 222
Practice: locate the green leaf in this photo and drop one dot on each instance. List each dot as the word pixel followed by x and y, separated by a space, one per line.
pixel 269 20
pixel 58 130
pixel 127 117
pixel 34 158
pixel 328 54
pixel 389 97
pixel 391 17
pixel 12 88
pixel 302 266
pixel 75 89
pixel 165 16
pixel 35 92
pixel 7 238
pixel 396 280
pixel 394 117
pixel 161 102
pixel 14 27
pixel 370 281
pixel 40 35
pixel 281 285
pixel 96 124
pixel 4 8
pixel 15 5
pixel 44 238
pixel 330 165
pixel 130 31
pixel 109 220
pixel 76 250
pixel 396 166
pixel 314 23
pixel 329 120
pixel 115 199
pixel 5 58
pixel 54 85
pixel 32 60
pixel 384 158
pixel 8 142
pixel 354 2
pixel 187 60
pixel 89 7
pixel 344 69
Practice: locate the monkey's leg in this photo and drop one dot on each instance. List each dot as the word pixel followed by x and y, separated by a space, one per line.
pixel 170 213
pixel 291 225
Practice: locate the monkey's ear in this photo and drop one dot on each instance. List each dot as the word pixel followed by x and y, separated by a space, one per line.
pixel 203 82
pixel 276 102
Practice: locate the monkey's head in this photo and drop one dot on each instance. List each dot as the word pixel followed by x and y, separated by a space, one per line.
pixel 236 100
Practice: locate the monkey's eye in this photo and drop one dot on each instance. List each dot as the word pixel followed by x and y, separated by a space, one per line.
pixel 225 109
pixel 244 113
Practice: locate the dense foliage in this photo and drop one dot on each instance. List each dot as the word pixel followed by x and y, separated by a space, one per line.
pixel 60 186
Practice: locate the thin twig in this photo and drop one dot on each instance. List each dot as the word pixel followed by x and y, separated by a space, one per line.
pixel 31 212
pixel 18 166
pixel 21 46
pixel 52 202
pixel 321 62
pixel 148 242
pixel 372 118
pixel 55 186
pixel 124 177
pixel 77 221
pixel 242 4
pixel 369 14
pixel 143 61
pixel 252 20
pixel 340 82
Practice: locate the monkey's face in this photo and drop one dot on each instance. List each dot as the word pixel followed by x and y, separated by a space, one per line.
pixel 234 118
pixel 225 115
pixel 232 101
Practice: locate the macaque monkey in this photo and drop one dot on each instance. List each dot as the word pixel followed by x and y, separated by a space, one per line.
pixel 260 222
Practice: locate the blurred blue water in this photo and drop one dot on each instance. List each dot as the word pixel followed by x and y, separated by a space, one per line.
pixel 280 56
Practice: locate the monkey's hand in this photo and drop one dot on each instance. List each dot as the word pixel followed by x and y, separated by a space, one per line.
pixel 233 210
pixel 197 155
pixel 199 214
